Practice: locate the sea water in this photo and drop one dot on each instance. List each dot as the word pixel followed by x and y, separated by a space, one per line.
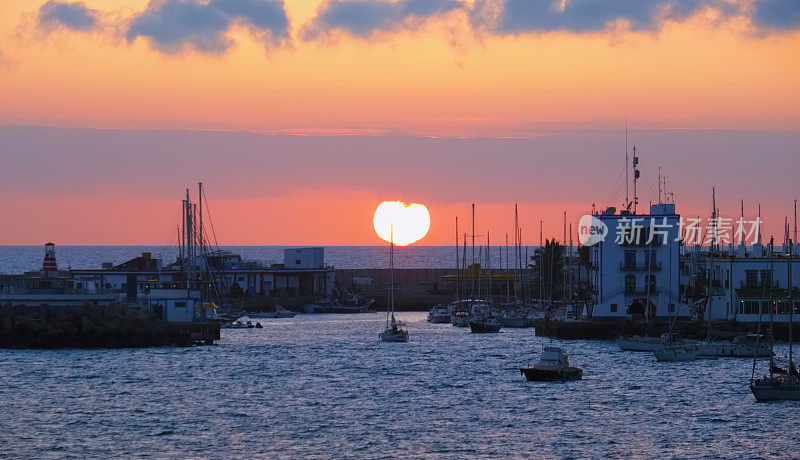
pixel 324 386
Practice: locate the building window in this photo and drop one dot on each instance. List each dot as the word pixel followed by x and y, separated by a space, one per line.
pixel 613 308
pixel 180 304
pixel 630 283
pixel 751 278
pixel 297 261
pixel 672 308
pixel 630 259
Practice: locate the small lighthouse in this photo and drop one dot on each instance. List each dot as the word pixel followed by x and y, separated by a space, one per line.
pixel 49 265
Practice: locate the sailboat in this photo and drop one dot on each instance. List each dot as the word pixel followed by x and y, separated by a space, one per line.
pixel 394 329
pixel 484 320
pixel 781 384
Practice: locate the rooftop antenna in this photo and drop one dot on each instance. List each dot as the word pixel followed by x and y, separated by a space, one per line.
pixel 627 198
pixel 713 217
pixel 659 185
pixel 795 220
pixel 759 223
pixel 635 179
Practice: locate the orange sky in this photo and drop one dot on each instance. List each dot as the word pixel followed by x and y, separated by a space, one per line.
pixel 444 78
pixel 441 77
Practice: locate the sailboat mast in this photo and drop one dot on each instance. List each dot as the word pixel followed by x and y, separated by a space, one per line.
pixel 541 259
pixel 458 268
pixel 508 287
pixel 472 266
pixel 391 273
pixel 790 302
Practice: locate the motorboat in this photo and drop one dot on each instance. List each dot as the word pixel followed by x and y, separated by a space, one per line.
pixel 553 366
pixel 486 324
pixel 676 353
pixel 239 324
pixel 280 312
pixel 441 313
pixel 741 347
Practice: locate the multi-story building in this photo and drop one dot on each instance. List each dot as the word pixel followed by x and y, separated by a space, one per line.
pixel 637 266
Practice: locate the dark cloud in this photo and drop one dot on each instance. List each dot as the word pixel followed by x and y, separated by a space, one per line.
pixel 585 16
pixel 71 15
pixel 173 25
pixel 362 18
pixel 777 14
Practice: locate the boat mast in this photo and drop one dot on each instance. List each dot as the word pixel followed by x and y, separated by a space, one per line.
pixel 541 262
pixel 391 274
pixel 791 305
pixel 472 267
pixel 458 268
pixel 771 300
pixel 508 287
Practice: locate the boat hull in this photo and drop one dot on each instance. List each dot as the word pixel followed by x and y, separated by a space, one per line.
pixel 638 345
pixel 514 322
pixel 482 328
pixel 439 319
pixel 534 374
pixel 727 350
pixel 394 336
pixel 673 355
pixel 767 392
pixel 316 308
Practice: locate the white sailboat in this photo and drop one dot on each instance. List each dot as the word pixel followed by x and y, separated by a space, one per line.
pixel 780 384
pixel 394 331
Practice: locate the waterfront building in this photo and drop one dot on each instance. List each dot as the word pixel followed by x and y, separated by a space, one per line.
pixel 636 267
pixel 746 284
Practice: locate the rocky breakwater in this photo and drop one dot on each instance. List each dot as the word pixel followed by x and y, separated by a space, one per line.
pixel 94 327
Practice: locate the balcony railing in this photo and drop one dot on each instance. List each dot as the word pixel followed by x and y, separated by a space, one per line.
pixel 654 266
pixel 641 291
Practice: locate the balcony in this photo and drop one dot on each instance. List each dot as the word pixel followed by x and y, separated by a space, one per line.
pixel 642 291
pixel 654 266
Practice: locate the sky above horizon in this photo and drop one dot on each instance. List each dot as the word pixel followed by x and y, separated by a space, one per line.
pixel 351 102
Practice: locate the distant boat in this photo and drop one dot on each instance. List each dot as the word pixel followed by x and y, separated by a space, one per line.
pixel 239 324
pixel 553 366
pixel 741 347
pixel 780 384
pixel 279 312
pixel 676 352
pixel 639 343
pixel 394 331
pixel 441 313
pixel 352 304
pixel 490 324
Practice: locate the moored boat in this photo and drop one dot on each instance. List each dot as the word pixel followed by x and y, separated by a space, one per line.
pixel 639 343
pixel 352 304
pixel 676 353
pixel 487 324
pixel 553 366
pixel 441 313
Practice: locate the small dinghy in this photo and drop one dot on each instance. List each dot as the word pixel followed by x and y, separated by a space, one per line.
pixel 553 366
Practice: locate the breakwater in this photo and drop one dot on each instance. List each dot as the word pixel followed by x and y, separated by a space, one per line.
pixel 94 327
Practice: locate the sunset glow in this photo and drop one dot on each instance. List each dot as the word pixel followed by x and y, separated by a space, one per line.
pixel 403 224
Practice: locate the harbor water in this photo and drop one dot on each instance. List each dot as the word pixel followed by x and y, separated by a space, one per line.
pixel 324 386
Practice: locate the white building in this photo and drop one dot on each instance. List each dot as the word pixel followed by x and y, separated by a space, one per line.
pixel 637 266
pixel 745 284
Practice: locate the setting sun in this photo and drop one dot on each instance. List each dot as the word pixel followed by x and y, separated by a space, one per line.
pixel 408 222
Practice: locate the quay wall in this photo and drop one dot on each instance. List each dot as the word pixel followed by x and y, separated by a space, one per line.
pixel 94 326
pixel 414 288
